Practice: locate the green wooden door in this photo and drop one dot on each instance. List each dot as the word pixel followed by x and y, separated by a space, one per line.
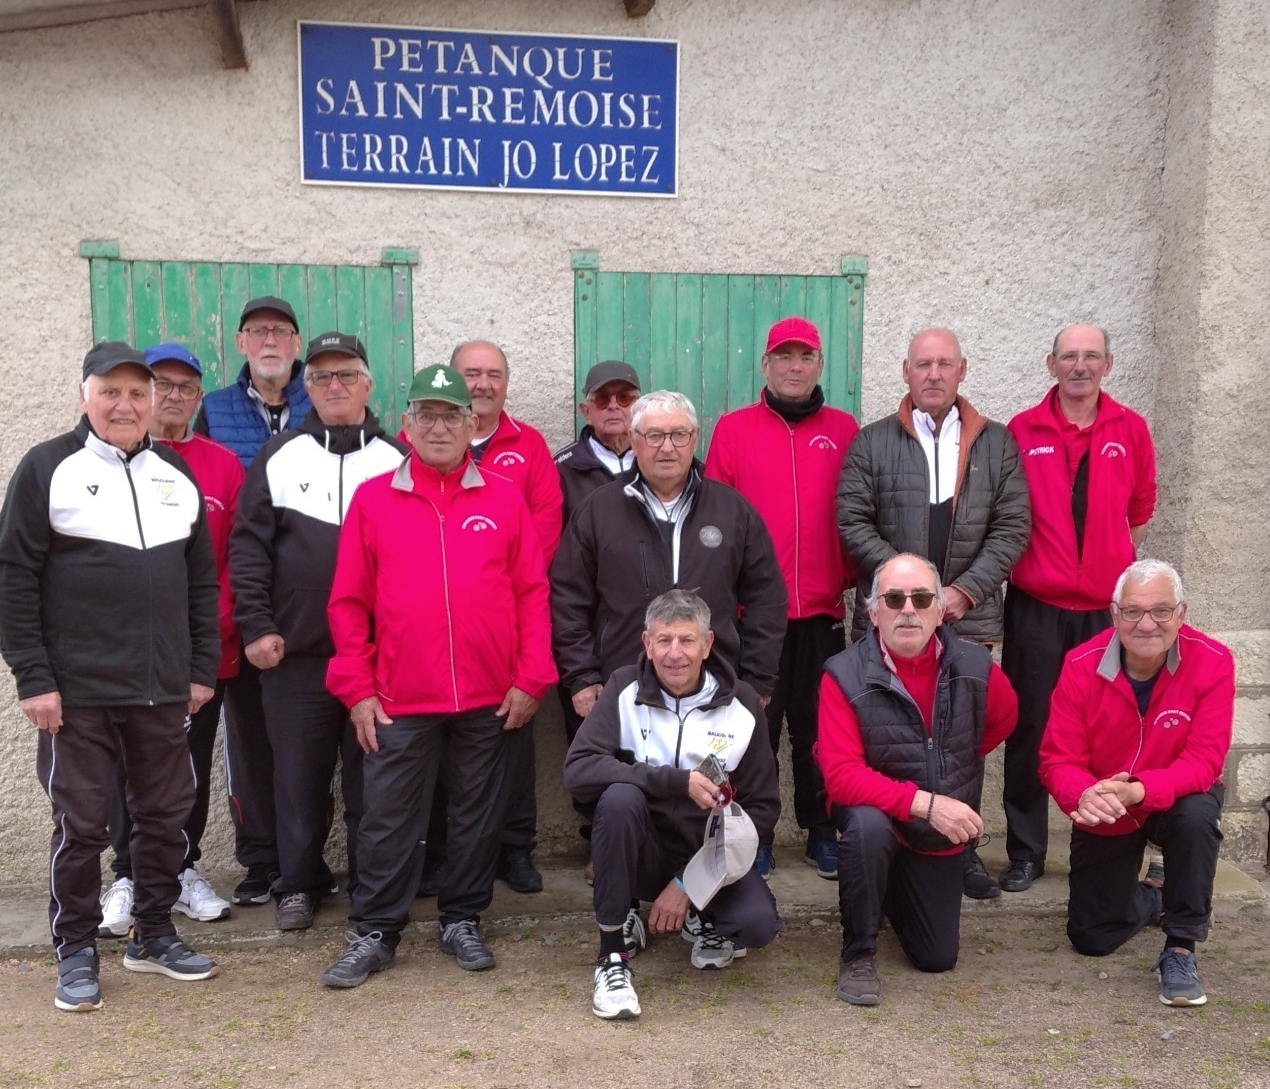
pixel 198 303
pixel 703 334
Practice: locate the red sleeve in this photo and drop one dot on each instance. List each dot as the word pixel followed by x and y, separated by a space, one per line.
pixel 721 457
pixel 1066 757
pixel 840 751
pixel 230 639
pixel 350 675
pixel 1002 710
pixel 535 669
pixel 546 500
pixel 1199 765
pixel 1142 501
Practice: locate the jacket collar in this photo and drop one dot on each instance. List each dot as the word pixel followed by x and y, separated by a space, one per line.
pixel 85 433
pixel 634 482
pixel 650 692
pixel 1108 407
pixel 972 421
pixel 414 470
pixel 1109 664
pixel 881 666
pixel 342 440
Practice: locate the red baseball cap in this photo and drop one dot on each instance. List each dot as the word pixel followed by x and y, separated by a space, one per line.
pixel 796 329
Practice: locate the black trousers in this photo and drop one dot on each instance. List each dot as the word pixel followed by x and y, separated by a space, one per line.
pixel 796 699
pixel 878 875
pixel 468 753
pixel 200 732
pixel 76 767
pixel 631 863
pixel 1107 904
pixel 249 771
pixel 1037 638
pixel 309 732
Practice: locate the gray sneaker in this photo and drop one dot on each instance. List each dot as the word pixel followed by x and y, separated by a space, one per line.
pixel 462 941
pixel 77 986
pixel 295 911
pixel 168 956
pixel 366 953
pixel 1179 978
pixel 858 981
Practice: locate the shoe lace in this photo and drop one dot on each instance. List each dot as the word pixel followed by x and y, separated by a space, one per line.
pixel 359 944
pixel 615 975
pixel 293 900
pixel 711 938
pixel 461 933
pixel 117 891
pixel 861 968
pixel 198 885
pixel 1176 968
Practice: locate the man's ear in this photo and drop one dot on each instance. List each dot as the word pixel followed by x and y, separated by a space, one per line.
pixel 709 641
pixel 648 643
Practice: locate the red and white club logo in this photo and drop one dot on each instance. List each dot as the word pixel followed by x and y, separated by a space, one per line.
pixel 478 523
pixel 508 458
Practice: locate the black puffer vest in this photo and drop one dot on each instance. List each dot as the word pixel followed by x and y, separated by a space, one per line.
pixel 894 736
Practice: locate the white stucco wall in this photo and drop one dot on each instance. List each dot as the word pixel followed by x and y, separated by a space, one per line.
pixel 998 161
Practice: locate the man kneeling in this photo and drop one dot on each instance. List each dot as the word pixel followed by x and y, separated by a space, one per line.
pixel 640 754
pixel 907 715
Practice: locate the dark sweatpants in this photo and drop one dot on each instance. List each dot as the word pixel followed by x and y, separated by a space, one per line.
pixel 1037 638
pixel 1107 903
pixel 76 767
pixel 249 771
pixel 467 752
pixel 631 863
pixel 808 643
pixel 309 731
pixel 200 732
pixel 878 875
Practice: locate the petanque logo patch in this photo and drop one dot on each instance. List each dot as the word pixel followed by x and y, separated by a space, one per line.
pixel 711 536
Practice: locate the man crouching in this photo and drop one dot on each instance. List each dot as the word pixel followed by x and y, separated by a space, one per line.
pixel 639 754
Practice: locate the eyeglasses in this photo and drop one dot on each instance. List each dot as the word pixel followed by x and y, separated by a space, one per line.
pixel 625 398
pixel 1161 614
pixel 261 333
pixel 346 377
pixel 680 437
pixel 428 420
pixel 187 391
pixel 921 599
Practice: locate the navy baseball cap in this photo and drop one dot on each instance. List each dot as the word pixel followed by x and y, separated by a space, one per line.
pixel 177 352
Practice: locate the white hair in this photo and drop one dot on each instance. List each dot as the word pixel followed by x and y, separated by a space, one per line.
pixel 660 402
pixel 1145 571
pixel 361 366
pixel 871 602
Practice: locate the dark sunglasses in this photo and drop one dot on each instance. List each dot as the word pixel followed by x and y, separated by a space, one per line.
pixel 921 599
pixel 625 398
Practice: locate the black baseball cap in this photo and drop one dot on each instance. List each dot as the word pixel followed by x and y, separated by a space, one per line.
pixel 268 302
pixel 611 370
pixel 105 357
pixel 344 343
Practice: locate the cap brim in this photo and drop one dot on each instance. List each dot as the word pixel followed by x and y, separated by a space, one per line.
pixel 705 875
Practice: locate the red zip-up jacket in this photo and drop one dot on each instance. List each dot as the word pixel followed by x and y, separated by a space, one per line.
pixel 520 453
pixel 1121 495
pixel 439 603
pixel 790 475
pixel 219 475
pixel 1095 731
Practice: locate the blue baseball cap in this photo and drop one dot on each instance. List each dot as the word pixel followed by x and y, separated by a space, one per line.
pixel 174 351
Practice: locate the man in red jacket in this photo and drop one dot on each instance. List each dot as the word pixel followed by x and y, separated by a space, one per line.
pixel 442 635
pixel 907 714
pixel 784 455
pixel 1138 732
pixel 178 392
pixel 1090 467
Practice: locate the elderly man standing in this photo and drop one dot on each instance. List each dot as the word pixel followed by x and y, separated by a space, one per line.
pixel 1138 732
pixel 907 714
pixel 108 619
pixel 282 560
pixel 939 480
pixel 666 528
pixel 1090 468
pixel 784 454
pixel 267 397
pixel 640 755
pixel 442 651
pixel 177 392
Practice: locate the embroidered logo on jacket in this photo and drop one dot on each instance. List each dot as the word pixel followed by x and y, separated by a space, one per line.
pixel 1171 716
pixel 1040 450
pixel 822 442
pixel 165 490
pixel 92 489
pixel 711 536
pixel 509 457
pixel 478 523
pixel 1114 450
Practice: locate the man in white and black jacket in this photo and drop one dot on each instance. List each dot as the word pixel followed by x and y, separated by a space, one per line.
pixel 109 620
pixel 637 755
pixel 282 562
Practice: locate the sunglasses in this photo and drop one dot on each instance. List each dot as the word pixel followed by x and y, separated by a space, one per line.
pixel 921 599
pixel 625 398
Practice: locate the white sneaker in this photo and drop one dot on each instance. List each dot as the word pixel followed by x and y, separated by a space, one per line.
pixel 116 910
pixel 198 899
pixel 634 934
pixel 692 927
pixel 613 996
pixel 713 950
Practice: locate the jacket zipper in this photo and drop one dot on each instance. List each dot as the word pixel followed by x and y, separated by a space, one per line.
pixel 449 623
pixel 793 465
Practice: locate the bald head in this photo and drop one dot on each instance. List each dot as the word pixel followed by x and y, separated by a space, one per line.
pixel 934 370
pixel 1084 333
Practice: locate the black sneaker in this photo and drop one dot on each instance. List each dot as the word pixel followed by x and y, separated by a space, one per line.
pixel 256 887
pixel 295 911
pixel 1179 978
pixel 518 870
pixel 168 956
pixel 976 882
pixel 858 981
pixel 77 986
pixel 366 953
pixel 463 942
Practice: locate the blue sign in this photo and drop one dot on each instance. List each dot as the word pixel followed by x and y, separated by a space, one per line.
pixel 462 109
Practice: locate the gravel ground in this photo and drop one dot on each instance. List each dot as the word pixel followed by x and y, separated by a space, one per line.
pixel 1021 1009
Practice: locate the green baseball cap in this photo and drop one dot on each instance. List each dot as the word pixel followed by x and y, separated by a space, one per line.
pixel 440 383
